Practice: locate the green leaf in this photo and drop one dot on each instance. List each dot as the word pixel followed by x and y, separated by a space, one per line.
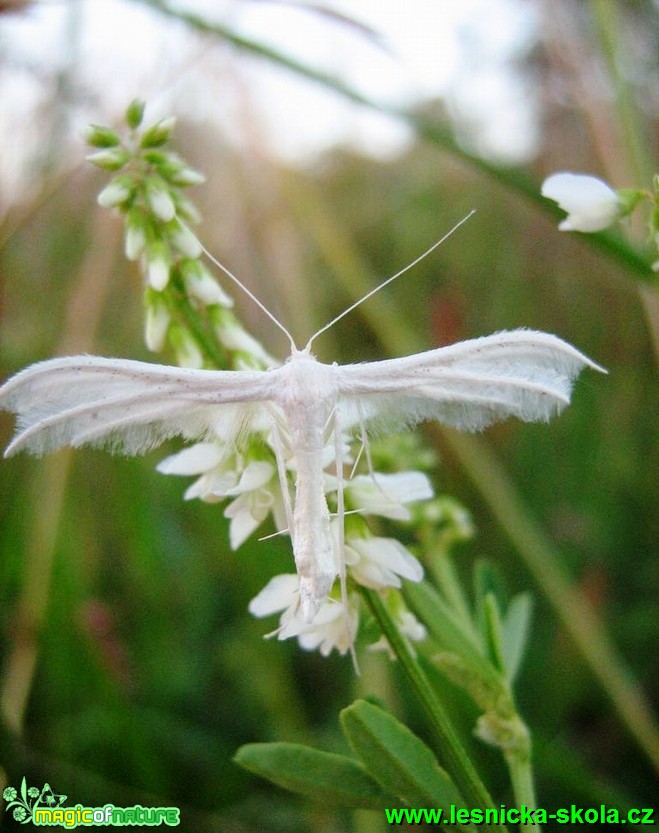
pixel 398 760
pixel 323 776
pixel 493 631
pixel 516 627
pixel 446 629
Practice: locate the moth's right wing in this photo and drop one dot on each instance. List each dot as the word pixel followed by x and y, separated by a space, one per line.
pixel 129 406
pixel 467 385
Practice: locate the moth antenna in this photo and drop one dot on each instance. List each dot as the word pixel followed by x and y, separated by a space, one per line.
pixel 242 286
pixel 389 280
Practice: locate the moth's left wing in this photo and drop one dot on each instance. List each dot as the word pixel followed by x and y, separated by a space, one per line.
pixel 468 385
pixel 128 405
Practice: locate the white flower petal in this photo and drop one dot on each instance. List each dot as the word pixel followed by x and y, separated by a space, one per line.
pixel 278 594
pixel 196 459
pixel 255 475
pixel 243 523
pixel 213 486
pixel 382 561
pixel 385 494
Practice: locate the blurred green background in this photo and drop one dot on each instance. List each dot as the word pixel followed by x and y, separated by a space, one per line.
pixel 130 668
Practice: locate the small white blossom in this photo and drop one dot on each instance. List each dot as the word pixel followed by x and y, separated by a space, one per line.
pixel 385 494
pixel 253 503
pixel 590 203
pixel 380 562
pixel 330 628
pixel 196 459
pixel 223 476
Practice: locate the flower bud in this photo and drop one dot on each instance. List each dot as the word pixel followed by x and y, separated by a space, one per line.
pixel 183 240
pixel 590 203
pixel 157 321
pixel 159 199
pixel 159 264
pixel 110 159
pixel 135 113
pixel 117 192
pixel 135 234
pixel 100 137
pixel 158 134
pixel 187 350
pixel 234 337
pixel 200 284
pixel 186 177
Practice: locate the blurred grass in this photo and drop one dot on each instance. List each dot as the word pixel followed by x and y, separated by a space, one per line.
pixel 149 671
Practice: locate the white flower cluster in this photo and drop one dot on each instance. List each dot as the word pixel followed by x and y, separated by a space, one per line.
pixel 249 482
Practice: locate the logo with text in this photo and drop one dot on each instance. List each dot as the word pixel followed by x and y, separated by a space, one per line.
pixel 43 807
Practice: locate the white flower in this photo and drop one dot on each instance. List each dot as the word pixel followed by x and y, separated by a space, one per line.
pixel 590 203
pixel 330 629
pixel 253 502
pixel 385 494
pixel 408 625
pixel 380 562
pixel 222 475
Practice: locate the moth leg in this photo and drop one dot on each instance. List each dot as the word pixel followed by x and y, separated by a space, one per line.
pixel 367 452
pixel 340 511
pixel 281 472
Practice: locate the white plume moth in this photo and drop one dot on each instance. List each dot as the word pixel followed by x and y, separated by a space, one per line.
pixel 133 406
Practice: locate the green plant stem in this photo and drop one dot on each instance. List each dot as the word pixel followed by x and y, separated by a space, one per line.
pixel 521 776
pixel 502 499
pixel 440 565
pixel 451 752
pixel 430 130
pixel 570 606
pixel 606 17
pixel 195 324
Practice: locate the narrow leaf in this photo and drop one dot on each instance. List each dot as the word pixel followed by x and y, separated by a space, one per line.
pixel 516 628
pixel 398 760
pixel 493 631
pixel 447 631
pixel 323 776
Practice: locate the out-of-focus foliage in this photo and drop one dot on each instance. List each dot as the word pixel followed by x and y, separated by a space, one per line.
pixel 123 624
